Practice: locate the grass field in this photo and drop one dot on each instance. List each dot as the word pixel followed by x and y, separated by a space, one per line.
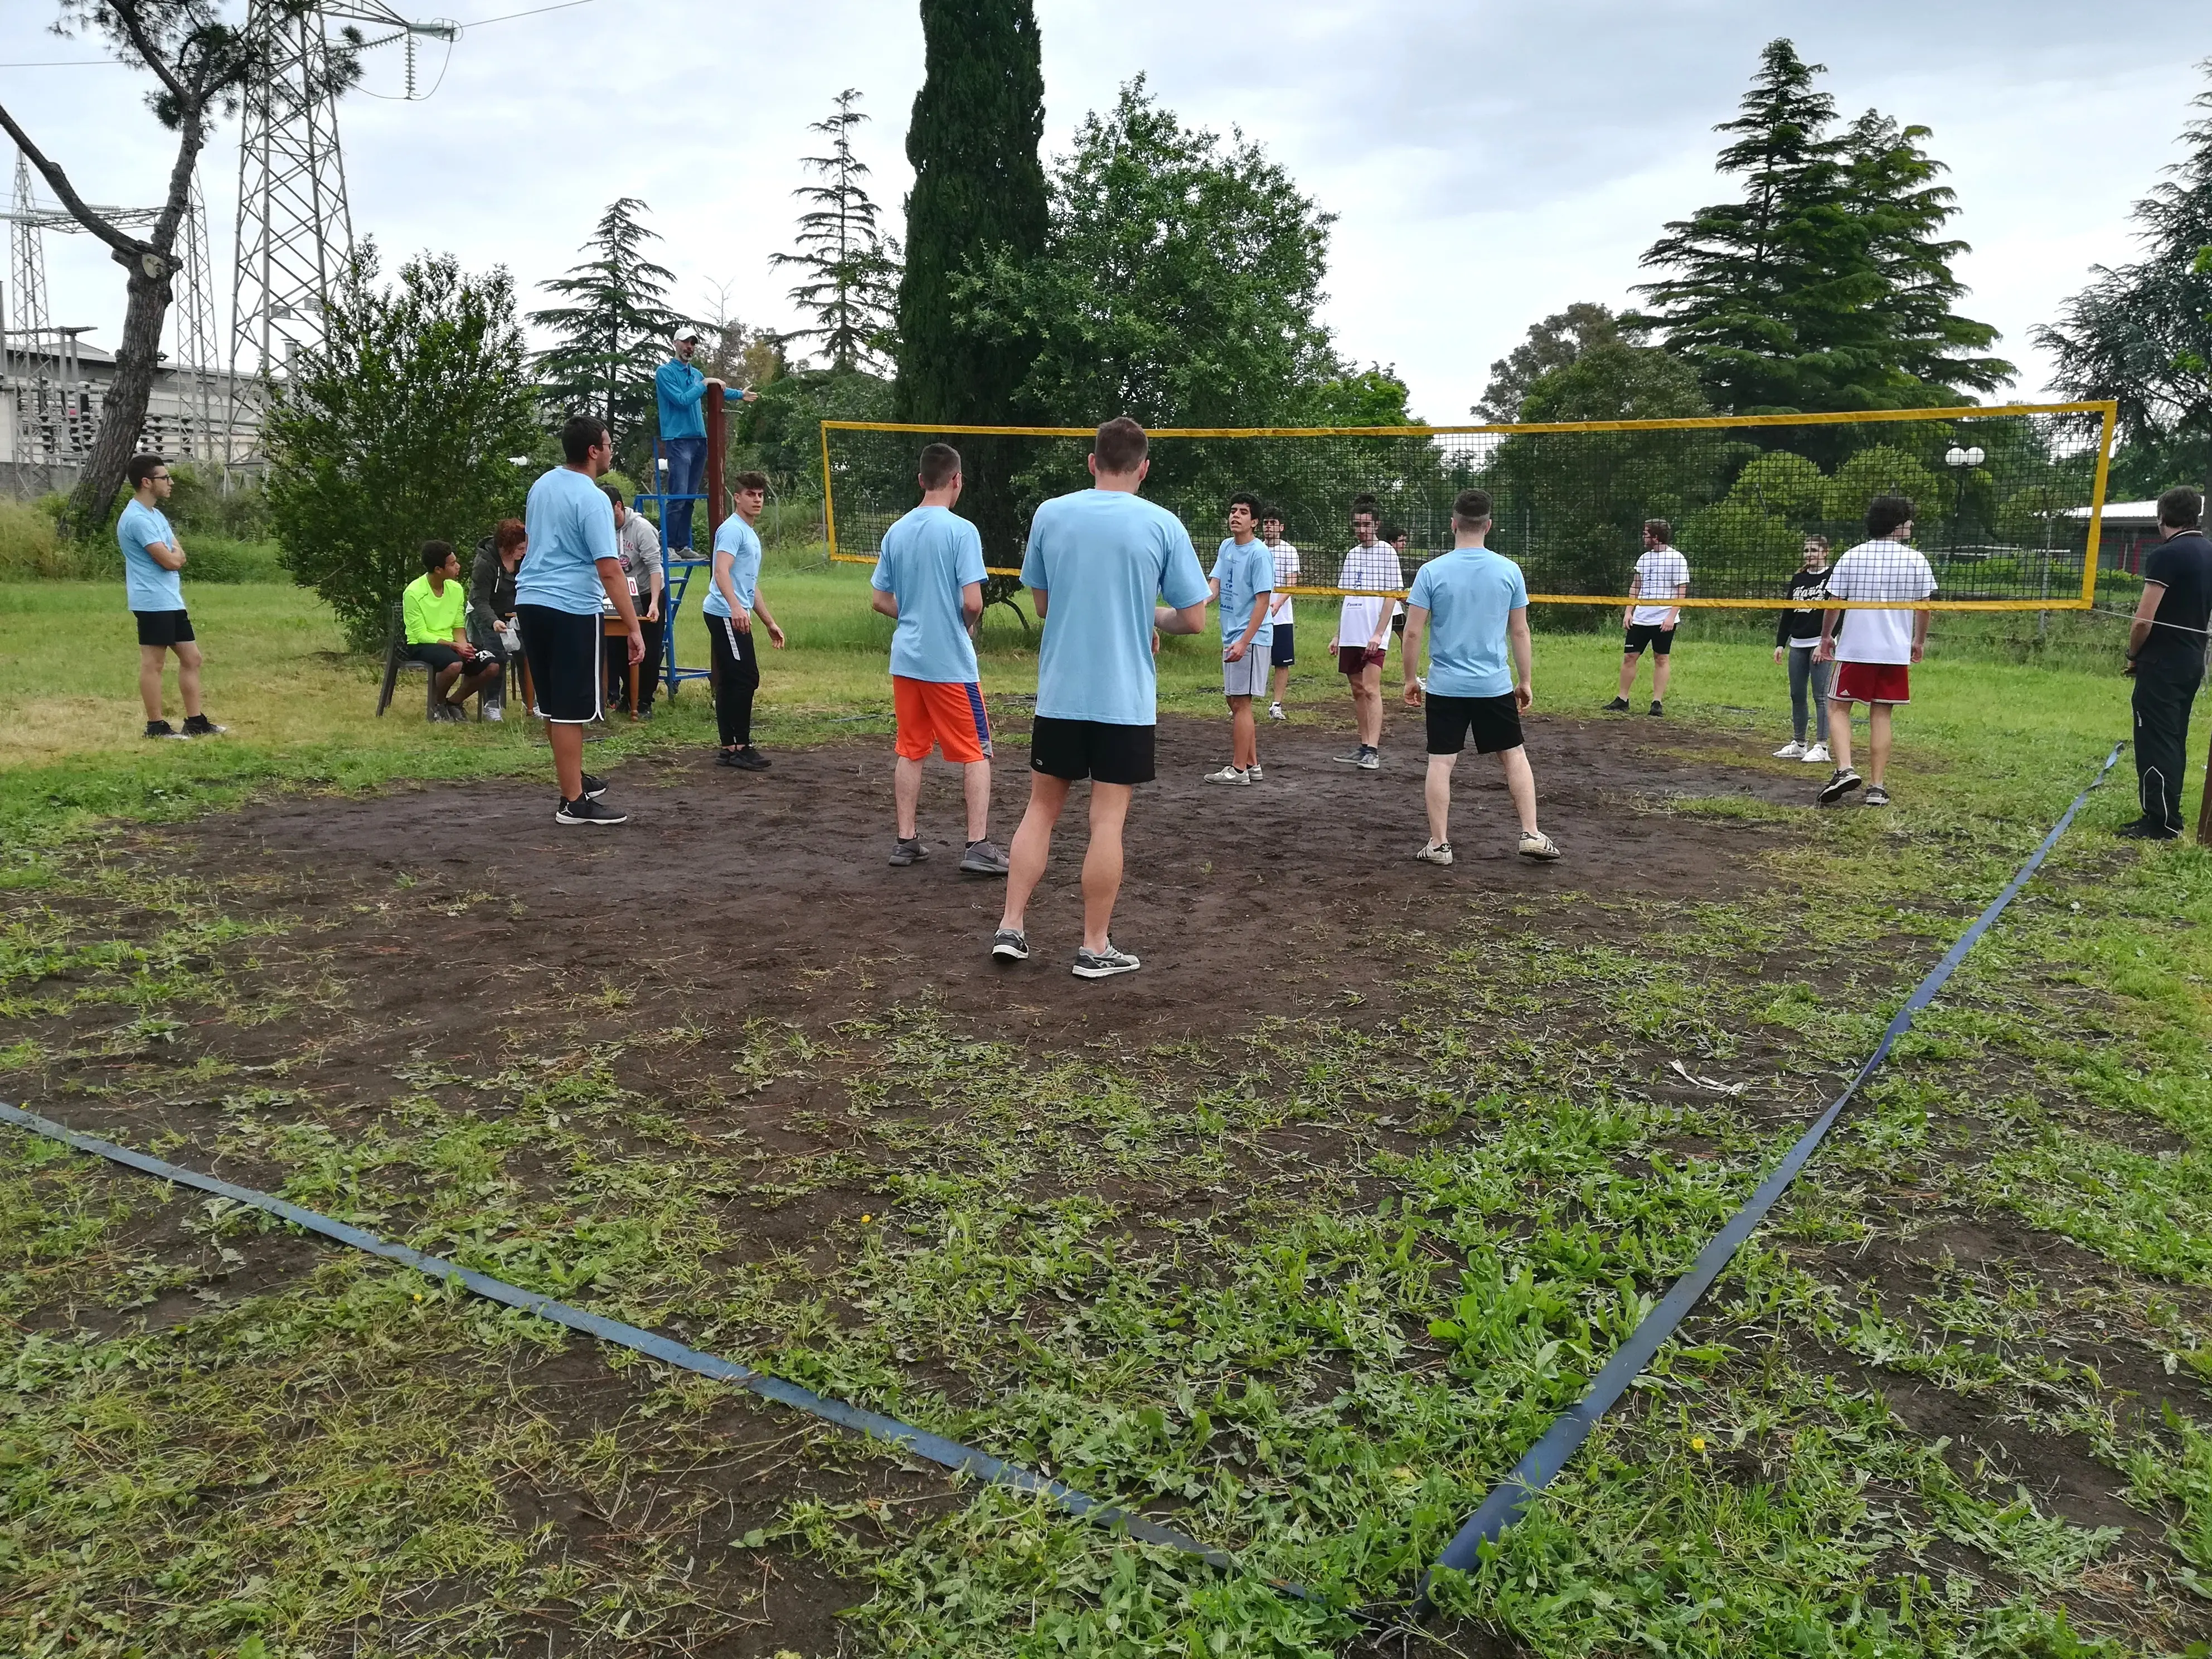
pixel 1301 1253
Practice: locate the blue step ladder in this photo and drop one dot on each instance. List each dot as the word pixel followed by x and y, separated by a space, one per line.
pixel 675 573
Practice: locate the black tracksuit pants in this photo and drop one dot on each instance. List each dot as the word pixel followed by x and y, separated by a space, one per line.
pixel 2166 686
pixel 737 676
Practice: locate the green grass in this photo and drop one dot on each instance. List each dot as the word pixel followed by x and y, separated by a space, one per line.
pixel 1311 1286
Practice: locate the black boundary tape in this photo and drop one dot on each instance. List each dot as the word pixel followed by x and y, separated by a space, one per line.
pixel 900 1437
pixel 1559 1442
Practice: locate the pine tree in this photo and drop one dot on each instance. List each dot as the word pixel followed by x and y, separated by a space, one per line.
pixel 2143 334
pixel 609 339
pixel 851 275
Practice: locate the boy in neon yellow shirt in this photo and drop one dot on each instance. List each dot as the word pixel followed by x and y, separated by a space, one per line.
pixel 435 605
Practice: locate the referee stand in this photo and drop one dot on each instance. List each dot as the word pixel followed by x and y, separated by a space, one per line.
pixel 675 573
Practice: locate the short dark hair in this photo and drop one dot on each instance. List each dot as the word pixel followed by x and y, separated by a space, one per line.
pixel 1815 536
pixel 435 555
pixel 579 435
pixel 614 495
pixel 1274 513
pixel 1120 446
pixel 1390 532
pixel 1250 502
pixel 1660 531
pixel 1471 506
pixel 940 465
pixel 2179 508
pixel 507 533
pixel 1365 502
pixel 750 480
pixel 1886 512
pixel 142 468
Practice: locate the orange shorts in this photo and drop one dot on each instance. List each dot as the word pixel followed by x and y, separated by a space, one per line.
pixel 940 714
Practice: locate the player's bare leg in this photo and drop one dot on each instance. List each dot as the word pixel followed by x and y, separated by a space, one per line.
pixel 1102 861
pixel 1033 846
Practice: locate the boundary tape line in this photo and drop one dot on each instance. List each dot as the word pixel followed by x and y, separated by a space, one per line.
pixel 1542 1462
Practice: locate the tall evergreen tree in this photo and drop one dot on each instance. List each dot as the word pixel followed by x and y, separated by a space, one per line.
pixel 608 338
pixel 2143 334
pixel 850 279
pixel 1827 286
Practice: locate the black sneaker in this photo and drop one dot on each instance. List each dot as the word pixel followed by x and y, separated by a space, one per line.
pixel 572 813
pixel 1009 945
pixel 748 759
pixel 199 726
pixel 1618 705
pixel 594 788
pixel 2144 829
pixel 1655 706
pixel 984 857
pixel 1840 783
pixel 907 850
pixel 162 729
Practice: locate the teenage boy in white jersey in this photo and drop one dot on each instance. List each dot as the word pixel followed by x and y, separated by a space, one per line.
pixel 1243 583
pixel 929 579
pixel 152 557
pixel 1477 605
pixel 1874 649
pixel 1363 627
pixel 573 560
pixel 1099 562
pixel 1662 573
pixel 1282 615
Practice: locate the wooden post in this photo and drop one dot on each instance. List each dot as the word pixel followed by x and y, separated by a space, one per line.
pixel 717 434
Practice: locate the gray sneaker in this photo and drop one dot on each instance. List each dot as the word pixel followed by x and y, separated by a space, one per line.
pixel 1876 795
pixel 983 858
pixel 1009 945
pixel 1369 759
pixel 908 851
pixel 1253 772
pixel 1104 964
pixel 1840 783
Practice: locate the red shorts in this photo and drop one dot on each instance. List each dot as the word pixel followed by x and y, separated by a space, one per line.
pixel 934 714
pixel 1871 682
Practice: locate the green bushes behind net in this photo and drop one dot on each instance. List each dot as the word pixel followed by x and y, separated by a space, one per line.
pixel 2006 499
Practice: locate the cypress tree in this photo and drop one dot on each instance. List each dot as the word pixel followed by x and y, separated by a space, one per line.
pixel 978 186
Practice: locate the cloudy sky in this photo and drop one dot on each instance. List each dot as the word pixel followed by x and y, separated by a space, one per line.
pixel 1488 161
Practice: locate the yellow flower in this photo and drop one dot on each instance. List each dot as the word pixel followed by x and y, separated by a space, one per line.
pixel 865 1219
pixel 418 1296
pixel 1697 1443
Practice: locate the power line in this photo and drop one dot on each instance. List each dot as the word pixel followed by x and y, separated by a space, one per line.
pixel 117 62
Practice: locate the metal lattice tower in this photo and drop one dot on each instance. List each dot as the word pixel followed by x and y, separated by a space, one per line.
pixel 28 329
pixel 195 359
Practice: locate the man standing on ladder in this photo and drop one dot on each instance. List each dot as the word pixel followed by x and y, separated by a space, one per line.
pixel 680 390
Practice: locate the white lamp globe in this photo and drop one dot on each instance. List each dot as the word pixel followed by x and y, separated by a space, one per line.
pixel 1954 455
pixel 1974 457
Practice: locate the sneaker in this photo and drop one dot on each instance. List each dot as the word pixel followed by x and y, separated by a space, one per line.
pixel 594 788
pixel 1656 708
pixel 199 726
pixel 1791 751
pixel 1618 705
pixel 1253 771
pixel 492 711
pixel 571 813
pixel 161 729
pixel 984 857
pixel 1009 945
pixel 1877 796
pixel 1369 759
pixel 1436 852
pixel 444 714
pixel 908 849
pixel 1535 844
pixel 1104 964
pixel 1358 754
pixel 750 759
pixel 1275 711
pixel 1840 784
pixel 2144 829
pixel 1229 774
pixel 1818 754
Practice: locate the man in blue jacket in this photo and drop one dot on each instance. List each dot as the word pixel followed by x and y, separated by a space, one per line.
pixel 680 390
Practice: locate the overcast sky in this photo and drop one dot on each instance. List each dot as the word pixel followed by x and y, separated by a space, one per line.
pixel 1488 162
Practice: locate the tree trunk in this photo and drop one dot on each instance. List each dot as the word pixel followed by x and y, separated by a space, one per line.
pixel 123 416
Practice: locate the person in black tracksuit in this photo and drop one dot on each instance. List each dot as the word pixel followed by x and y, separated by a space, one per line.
pixel 1796 636
pixel 2166 655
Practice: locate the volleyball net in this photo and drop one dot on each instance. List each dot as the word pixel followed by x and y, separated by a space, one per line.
pixel 2008 501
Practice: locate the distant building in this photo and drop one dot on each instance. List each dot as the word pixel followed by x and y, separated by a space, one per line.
pixel 50 400
pixel 2126 530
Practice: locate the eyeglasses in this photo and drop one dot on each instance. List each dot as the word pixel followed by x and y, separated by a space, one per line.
pixel 158 477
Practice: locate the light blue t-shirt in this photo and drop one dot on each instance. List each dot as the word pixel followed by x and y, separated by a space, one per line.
pixel 1469 593
pixel 928 557
pixel 146 586
pixel 1105 557
pixel 679 389
pixel 1244 573
pixel 572 527
pixel 736 539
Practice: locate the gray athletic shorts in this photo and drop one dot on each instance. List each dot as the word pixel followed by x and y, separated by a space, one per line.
pixel 1246 678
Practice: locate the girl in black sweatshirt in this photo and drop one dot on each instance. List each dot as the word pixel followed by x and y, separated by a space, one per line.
pixel 1795 637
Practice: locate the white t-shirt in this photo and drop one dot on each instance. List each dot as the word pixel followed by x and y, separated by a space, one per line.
pixel 1879 570
pixel 1361 615
pixel 1281 612
pixel 1659 572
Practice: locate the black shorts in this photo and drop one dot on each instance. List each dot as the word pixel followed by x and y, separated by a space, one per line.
pixel 1495 721
pixel 1097 749
pixel 1282 653
pixel 440 657
pixel 1639 635
pixel 562 651
pixel 163 628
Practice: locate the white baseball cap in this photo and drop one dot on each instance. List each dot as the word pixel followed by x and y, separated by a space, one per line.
pixel 687 333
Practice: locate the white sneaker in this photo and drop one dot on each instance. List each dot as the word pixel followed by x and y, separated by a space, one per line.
pixel 1229 774
pixel 1253 771
pixel 1817 756
pixel 1275 711
pixel 492 711
pixel 1436 852
pixel 1789 751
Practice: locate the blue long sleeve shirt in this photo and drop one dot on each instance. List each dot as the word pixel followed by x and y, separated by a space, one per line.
pixel 680 390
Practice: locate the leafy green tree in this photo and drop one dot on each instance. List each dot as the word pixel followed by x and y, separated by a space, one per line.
pixel 1552 343
pixel 1373 395
pixel 608 338
pixel 1616 381
pixel 397 428
pixel 849 273
pixel 1828 286
pixel 2141 334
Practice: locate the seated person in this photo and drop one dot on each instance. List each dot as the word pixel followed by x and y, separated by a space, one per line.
pixel 436 609
pixel 491 597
